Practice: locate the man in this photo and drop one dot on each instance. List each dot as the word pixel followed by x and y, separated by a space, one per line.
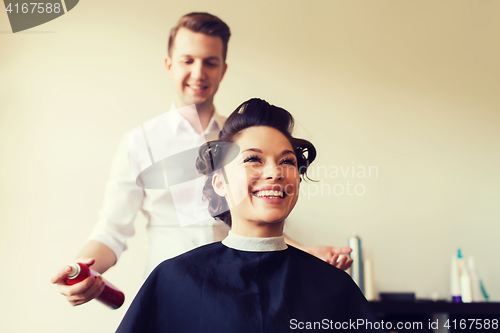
pixel 196 64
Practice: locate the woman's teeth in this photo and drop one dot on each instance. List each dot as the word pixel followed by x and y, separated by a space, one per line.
pixel 269 194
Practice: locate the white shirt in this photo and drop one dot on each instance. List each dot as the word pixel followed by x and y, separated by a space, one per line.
pixel 124 198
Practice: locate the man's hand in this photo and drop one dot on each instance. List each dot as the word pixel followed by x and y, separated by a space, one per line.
pixel 336 256
pixel 330 254
pixel 81 292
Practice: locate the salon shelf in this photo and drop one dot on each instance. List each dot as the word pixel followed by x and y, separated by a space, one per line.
pixel 426 311
pixel 430 307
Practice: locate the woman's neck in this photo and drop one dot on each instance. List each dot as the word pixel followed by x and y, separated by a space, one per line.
pixel 257 229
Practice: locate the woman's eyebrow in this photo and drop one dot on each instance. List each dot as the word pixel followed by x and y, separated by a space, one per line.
pixel 285 152
pixel 257 150
pixel 253 149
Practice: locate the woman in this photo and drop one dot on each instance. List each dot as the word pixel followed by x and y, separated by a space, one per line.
pixel 251 281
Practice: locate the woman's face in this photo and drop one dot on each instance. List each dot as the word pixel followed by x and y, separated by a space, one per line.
pixel 263 181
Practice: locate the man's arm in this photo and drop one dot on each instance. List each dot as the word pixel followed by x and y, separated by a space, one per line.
pixel 104 257
pixel 330 254
pixel 122 200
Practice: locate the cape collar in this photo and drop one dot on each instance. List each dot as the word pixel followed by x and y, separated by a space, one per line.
pixel 253 244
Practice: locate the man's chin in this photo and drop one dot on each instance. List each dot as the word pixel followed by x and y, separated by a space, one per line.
pixel 197 100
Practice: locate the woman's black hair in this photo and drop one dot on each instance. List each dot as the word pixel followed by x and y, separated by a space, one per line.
pixel 254 112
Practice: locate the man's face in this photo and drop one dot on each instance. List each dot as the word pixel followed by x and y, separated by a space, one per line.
pixel 196 68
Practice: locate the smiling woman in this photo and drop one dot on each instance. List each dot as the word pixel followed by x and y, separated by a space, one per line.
pixel 266 174
pixel 265 180
pixel 252 281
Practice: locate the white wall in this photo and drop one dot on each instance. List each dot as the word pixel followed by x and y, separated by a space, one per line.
pixel 408 87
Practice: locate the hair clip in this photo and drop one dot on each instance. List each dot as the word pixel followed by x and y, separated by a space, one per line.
pixel 212 154
pixel 212 151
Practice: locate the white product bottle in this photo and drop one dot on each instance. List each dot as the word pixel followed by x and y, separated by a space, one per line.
pixel 477 294
pixel 456 294
pixel 369 284
pixel 357 264
pixel 465 283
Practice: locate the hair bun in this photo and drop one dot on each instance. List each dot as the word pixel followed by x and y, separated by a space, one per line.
pixel 203 160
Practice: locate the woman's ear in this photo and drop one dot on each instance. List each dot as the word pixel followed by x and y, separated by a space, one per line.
pixel 218 185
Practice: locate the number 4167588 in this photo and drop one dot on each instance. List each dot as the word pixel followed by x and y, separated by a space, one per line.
pixel 35 8
pixel 468 324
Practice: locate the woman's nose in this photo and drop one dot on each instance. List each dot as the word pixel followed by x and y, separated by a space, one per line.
pixel 274 172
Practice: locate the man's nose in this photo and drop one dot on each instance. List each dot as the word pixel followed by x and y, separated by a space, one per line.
pixel 198 70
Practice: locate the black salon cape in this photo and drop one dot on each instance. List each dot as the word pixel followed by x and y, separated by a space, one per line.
pixel 218 289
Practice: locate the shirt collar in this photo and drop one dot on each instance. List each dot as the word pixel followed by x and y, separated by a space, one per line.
pixel 175 119
pixel 218 120
pixel 253 244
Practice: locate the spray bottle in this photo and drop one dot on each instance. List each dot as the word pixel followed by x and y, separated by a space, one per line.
pixel 111 296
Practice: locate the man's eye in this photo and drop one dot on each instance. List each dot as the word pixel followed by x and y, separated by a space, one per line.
pixel 212 64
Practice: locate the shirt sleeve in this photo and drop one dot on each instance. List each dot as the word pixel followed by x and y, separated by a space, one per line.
pixel 122 200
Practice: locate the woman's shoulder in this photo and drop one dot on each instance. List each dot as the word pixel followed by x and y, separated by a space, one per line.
pixel 333 282
pixel 197 258
pixel 314 264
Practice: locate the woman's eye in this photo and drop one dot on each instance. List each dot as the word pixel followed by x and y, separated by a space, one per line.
pixel 290 161
pixel 252 159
